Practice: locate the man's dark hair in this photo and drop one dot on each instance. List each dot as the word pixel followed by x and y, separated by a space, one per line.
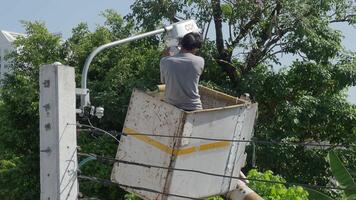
pixel 191 41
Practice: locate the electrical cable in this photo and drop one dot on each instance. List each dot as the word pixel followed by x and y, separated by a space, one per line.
pixel 90 122
pixel 225 140
pixel 202 172
pixel 104 158
pixel 83 162
pixel 108 182
pixel 98 129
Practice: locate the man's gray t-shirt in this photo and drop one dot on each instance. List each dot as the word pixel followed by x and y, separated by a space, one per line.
pixel 181 75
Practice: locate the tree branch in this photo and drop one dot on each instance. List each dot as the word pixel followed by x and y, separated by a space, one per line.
pixel 256 55
pixel 347 18
pixel 246 28
pixel 207 29
pixel 217 14
pixel 224 57
pixel 271 55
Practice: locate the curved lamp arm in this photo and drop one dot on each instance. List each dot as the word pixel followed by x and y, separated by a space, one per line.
pixel 85 100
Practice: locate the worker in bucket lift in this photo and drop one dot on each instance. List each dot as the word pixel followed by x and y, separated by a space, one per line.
pixel 181 73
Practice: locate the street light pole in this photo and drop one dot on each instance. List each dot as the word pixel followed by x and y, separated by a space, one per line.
pixel 85 100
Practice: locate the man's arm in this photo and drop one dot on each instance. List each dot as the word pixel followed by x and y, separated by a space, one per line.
pixel 201 65
pixel 161 68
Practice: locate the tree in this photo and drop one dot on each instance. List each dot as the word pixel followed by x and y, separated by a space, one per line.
pixel 343 177
pixel 19 135
pixel 302 103
pixel 251 33
pixel 112 76
pixel 273 191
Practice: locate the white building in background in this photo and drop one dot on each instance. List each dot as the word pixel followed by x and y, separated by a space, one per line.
pixel 6 40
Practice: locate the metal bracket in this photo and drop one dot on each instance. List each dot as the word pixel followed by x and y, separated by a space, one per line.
pixel 81 91
pixel 84 94
pixel 47 150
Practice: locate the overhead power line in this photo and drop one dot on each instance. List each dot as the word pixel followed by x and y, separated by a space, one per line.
pixel 108 182
pixel 225 140
pixel 105 158
pixel 98 129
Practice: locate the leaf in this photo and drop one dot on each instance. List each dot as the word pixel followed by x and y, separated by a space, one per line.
pixel 226 9
pixel 341 174
pixel 189 2
pixel 316 195
pixel 352 197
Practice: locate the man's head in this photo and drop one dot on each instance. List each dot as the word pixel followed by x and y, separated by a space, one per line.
pixel 191 42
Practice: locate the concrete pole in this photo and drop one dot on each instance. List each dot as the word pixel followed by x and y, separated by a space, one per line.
pixel 58 142
pixel 243 192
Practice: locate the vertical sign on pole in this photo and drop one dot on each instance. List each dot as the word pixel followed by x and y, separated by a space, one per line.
pixel 58 142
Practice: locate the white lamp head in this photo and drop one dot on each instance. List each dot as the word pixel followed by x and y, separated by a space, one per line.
pixel 178 30
pixel 183 27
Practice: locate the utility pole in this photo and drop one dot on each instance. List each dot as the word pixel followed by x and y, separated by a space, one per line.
pixel 243 192
pixel 58 142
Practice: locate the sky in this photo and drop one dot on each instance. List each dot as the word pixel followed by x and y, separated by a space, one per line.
pixel 60 16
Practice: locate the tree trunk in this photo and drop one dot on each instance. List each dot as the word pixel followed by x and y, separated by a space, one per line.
pixel 224 57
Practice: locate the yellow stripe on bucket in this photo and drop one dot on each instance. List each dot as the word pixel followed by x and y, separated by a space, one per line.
pixel 177 152
pixel 213 145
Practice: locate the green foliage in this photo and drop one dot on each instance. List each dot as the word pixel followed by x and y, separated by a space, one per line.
pixel 215 198
pixel 19 135
pixel 261 30
pixel 273 191
pixel 305 102
pixel 342 175
pixel 100 146
pixel 314 194
pixel 343 178
pixel 302 104
pixel 114 72
pixel 112 75
pixel 130 196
